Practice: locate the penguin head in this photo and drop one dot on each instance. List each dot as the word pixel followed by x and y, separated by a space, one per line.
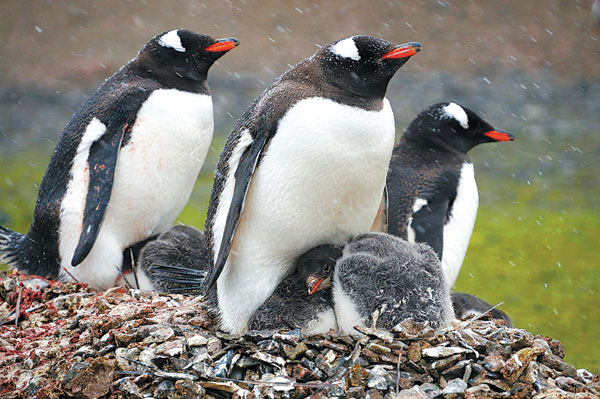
pixel 316 266
pixel 364 65
pixel 452 125
pixel 182 56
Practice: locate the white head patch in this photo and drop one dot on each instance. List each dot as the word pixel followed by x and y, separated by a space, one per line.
pixel 171 39
pixel 456 112
pixel 346 48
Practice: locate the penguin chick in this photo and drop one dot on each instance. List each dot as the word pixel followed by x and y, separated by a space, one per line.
pixel 125 165
pixel 432 193
pixel 303 299
pixel 176 262
pixel 381 280
pixel 466 305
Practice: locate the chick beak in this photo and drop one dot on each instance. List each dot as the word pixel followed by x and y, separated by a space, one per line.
pixel 313 284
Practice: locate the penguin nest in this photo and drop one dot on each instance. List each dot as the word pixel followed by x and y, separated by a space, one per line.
pixel 59 340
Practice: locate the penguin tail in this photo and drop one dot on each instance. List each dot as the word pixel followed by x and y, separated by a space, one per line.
pixel 9 246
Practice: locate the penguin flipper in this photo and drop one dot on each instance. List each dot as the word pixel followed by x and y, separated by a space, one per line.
pixel 102 162
pixel 428 224
pixel 243 176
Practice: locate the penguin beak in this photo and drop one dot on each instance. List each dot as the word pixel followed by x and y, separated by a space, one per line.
pixel 499 135
pixel 313 284
pixel 403 50
pixel 222 45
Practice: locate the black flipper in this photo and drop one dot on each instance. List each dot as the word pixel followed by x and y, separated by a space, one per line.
pixel 243 177
pixel 428 224
pixel 102 161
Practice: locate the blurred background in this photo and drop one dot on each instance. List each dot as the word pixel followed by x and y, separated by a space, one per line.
pixel 528 67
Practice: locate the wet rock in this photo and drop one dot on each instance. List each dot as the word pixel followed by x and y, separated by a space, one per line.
pixel 186 389
pixel 358 376
pixel 163 389
pixel 197 340
pixel 128 388
pixel 355 393
pixel 518 362
pixel 443 351
pixel 556 363
pixel 91 380
pixel 455 388
pixel 412 393
pixel 378 378
pixel 570 384
pixel 373 394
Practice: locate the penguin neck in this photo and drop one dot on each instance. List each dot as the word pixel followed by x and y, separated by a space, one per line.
pixel 316 84
pixel 171 79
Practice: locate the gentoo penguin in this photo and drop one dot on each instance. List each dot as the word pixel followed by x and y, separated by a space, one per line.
pixel 125 165
pixel 305 165
pixel 466 305
pixel 381 280
pixel 303 300
pixel 176 262
pixel 432 194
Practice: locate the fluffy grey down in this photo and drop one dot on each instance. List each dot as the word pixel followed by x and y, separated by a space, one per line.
pixel 389 280
pixel 177 261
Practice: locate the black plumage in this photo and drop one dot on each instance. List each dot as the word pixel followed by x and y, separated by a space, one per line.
pixel 429 165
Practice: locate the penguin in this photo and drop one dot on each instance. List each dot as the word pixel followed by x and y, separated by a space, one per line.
pixel 304 165
pixel 177 262
pixel 432 193
pixel 381 280
pixel 303 300
pixel 125 165
pixel 467 305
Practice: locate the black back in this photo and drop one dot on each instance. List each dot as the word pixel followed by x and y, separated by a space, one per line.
pixel 427 162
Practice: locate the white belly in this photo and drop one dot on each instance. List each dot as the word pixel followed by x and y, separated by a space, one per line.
pixel 153 180
pixel 459 227
pixel 320 181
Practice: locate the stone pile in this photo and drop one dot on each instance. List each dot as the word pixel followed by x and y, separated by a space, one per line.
pixel 65 340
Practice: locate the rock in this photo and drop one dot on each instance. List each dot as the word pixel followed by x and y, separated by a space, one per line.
pixel 443 351
pixel 455 388
pixel 378 378
pixel 412 393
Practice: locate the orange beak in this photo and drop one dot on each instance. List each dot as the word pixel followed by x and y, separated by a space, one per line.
pixel 222 45
pixel 403 50
pixel 313 284
pixel 499 135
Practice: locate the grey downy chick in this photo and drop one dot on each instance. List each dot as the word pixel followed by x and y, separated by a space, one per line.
pixel 303 300
pixel 381 280
pixel 176 262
